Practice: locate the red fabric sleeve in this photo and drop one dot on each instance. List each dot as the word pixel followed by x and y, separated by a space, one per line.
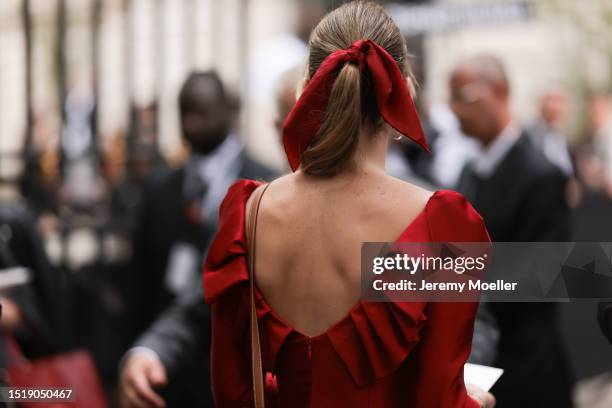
pixel 444 349
pixel 230 351
pixel 446 338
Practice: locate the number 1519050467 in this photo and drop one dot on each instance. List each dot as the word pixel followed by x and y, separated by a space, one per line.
pixel 31 394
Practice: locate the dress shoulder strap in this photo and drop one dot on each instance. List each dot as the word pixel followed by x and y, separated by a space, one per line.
pixel 256 364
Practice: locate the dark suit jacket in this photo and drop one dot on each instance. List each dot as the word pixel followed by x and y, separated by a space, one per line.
pixel 604 316
pixel 162 222
pixel 524 200
pixel 38 301
pixel 180 331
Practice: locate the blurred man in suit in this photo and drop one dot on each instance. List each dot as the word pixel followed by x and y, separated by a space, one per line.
pixel 521 197
pixel 547 134
pixel 177 221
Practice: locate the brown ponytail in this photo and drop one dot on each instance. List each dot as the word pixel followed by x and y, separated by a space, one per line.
pixel 338 135
pixel 351 103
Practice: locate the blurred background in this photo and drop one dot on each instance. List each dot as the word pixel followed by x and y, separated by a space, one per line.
pixel 89 115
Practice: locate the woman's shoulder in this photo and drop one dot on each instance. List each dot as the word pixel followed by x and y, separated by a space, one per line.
pixel 448 214
pixel 409 191
pixel 239 192
pixel 283 184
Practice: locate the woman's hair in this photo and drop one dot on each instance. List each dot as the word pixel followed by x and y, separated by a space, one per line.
pixel 352 102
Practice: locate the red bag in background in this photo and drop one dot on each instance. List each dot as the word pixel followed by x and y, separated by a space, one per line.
pixel 73 370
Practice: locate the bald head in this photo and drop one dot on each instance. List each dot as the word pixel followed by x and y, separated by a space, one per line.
pixel 480 91
pixel 487 69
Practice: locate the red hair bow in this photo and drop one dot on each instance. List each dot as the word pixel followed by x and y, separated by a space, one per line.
pixel 393 97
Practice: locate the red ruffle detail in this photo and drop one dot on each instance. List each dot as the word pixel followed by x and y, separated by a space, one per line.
pixel 226 264
pixel 363 342
pixel 226 268
pixel 272 330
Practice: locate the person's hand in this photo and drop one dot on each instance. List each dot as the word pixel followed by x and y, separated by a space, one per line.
pixel 141 373
pixel 11 315
pixel 485 399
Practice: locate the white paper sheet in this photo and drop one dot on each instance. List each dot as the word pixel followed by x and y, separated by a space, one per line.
pixel 480 375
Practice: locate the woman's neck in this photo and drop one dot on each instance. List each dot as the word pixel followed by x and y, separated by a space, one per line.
pixel 369 159
pixel 371 152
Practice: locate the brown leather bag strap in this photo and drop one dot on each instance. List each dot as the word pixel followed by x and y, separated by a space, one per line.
pixel 256 365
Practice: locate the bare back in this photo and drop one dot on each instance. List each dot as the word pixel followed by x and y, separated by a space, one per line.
pixel 309 237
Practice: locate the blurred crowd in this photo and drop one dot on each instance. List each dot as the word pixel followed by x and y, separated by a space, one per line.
pixel 101 245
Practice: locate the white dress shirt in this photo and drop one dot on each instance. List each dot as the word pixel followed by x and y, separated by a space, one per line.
pixel 216 170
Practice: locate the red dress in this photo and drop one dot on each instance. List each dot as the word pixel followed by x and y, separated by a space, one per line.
pixel 403 354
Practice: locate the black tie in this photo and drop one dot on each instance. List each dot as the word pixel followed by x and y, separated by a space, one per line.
pixel 194 191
